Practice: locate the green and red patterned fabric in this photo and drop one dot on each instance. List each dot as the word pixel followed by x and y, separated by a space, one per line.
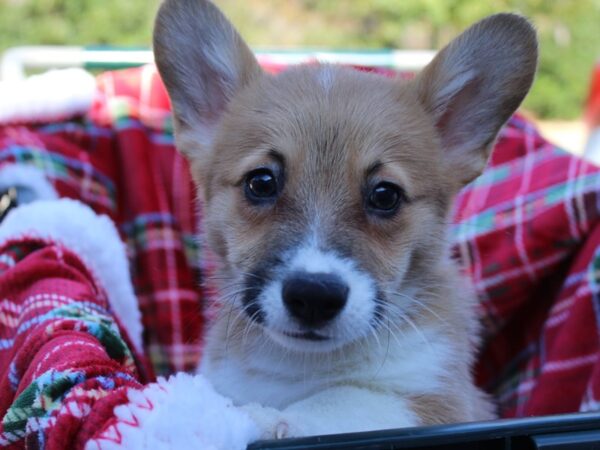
pixel 62 354
pixel 527 232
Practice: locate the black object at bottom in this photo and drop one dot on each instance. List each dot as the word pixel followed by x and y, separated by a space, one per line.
pixel 568 432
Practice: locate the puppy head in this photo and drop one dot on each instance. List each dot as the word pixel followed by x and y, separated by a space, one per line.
pixel 325 190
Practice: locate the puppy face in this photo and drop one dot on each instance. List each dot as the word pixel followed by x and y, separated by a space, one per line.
pixel 326 190
pixel 306 191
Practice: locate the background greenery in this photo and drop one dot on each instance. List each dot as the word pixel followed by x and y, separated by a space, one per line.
pixel 569 30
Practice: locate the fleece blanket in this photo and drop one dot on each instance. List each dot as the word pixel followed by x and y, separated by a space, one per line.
pixel 101 280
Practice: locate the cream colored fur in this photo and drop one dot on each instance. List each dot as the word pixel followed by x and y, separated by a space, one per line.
pixel 401 351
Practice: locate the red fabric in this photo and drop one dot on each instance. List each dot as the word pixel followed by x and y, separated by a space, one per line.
pixel 527 232
pixel 66 351
pixel 135 176
pixel 592 104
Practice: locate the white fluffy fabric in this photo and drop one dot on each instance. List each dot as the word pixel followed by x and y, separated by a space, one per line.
pixel 53 95
pixel 181 412
pixel 93 238
pixel 29 176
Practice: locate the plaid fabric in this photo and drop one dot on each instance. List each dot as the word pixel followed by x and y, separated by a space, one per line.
pixel 134 175
pixel 526 232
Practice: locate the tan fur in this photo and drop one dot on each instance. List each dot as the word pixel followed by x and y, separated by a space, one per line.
pixel 331 131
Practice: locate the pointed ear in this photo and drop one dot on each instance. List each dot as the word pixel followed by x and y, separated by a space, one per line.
pixel 474 85
pixel 203 62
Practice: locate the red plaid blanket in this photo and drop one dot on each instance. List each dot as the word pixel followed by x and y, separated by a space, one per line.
pixel 526 231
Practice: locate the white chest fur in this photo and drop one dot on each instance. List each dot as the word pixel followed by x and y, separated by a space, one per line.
pixel 409 364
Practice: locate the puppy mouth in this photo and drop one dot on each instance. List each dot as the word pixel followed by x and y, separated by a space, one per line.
pixel 307 335
pixel 309 326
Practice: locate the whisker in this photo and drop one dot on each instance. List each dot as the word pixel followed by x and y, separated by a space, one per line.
pixel 418 302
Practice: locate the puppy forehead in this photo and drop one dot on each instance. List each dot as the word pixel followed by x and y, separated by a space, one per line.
pixel 331 117
pixel 329 96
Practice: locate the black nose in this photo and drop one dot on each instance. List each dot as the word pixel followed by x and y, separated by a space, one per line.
pixel 314 298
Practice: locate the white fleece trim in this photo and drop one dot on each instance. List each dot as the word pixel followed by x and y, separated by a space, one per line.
pixel 53 95
pixel 181 412
pixel 93 238
pixel 28 176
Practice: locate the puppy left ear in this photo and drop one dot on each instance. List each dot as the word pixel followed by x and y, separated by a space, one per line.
pixel 474 85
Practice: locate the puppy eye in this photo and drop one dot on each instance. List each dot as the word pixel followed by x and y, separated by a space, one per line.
pixel 385 198
pixel 261 184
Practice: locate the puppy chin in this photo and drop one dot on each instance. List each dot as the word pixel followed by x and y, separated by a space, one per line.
pixel 305 342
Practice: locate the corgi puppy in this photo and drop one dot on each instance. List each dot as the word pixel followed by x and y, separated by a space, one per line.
pixel 326 195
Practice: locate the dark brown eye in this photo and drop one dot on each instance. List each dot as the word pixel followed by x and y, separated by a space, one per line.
pixel 261 185
pixel 385 198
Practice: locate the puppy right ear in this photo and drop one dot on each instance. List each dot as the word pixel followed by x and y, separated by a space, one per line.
pixel 474 85
pixel 203 62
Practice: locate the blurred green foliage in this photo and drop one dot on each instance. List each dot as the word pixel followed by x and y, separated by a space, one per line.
pixel 569 30
pixel 76 22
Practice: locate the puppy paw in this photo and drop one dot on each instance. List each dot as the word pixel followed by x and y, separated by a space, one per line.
pixel 272 422
pixel 282 430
